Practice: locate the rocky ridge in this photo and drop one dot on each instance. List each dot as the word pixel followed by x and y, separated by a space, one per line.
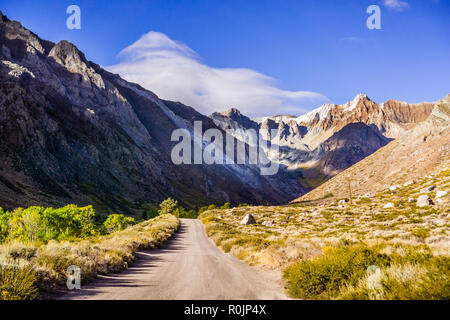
pixel 73 132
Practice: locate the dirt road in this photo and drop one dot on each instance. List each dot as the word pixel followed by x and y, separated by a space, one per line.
pixel 189 266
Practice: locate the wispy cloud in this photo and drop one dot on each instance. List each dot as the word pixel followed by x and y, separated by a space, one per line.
pixel 396 4
pixel 353 39
pixel 174 71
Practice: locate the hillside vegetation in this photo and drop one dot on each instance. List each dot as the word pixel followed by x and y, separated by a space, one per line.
pixel 382 246
pixel 34 256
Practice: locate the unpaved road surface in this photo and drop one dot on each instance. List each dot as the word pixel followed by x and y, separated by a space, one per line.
pixel 187 267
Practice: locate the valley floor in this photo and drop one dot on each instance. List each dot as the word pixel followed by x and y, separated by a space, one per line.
pixel 325 246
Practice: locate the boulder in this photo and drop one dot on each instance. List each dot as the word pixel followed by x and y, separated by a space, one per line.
pixel 408 183
pixel 424 200
pixel 427 189
pixel 388 205
pixel 270 223
pixel 441 194
pixel 248 219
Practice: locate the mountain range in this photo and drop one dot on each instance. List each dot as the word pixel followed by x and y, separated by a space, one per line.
pixel 73 132
pixel 331 138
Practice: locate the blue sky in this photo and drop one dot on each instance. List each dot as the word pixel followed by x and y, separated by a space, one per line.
pixel 321 47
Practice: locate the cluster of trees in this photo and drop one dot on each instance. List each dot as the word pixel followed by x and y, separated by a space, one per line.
pixel 72 222
pixel 44 224
pixel 170 206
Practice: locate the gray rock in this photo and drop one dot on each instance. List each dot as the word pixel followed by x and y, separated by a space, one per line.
pixel 424 201
pixel 427 189
pixel 248 219
pixel 440 194
pixel 269 223
pixel 408 183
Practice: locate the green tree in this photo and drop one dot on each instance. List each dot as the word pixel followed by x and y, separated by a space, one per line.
pixel 150 211
pixel 227 205
pixel 169 206
pixel 202 209
pixel 4 224
pixel 116 222
pixel 31 222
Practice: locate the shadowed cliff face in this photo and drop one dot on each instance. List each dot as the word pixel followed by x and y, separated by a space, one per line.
pixel 73 132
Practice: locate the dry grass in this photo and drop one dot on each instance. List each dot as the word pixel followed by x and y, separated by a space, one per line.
pixel 112 253
pixel 300 232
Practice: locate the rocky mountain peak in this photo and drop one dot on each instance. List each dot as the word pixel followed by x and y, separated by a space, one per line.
pixel 67 54
pixel 233 112
pixel 233 118
pixel 359 98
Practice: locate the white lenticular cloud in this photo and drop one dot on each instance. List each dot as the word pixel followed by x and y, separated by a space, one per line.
pixel 396 4
pixel 174 71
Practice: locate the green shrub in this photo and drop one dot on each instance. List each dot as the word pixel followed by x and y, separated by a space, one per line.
pixel 227 205
pixel 150 212
pixel 322 277
pixel 183 213
pixel 116 222
pixel 404 273
pixel 17 283
pixel 44 224
pixel 15 250
pixel 202 209
pixel 45 267
pixel 168 206
pixel 403 282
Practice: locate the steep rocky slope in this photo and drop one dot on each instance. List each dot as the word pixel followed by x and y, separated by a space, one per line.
pixel 73 132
